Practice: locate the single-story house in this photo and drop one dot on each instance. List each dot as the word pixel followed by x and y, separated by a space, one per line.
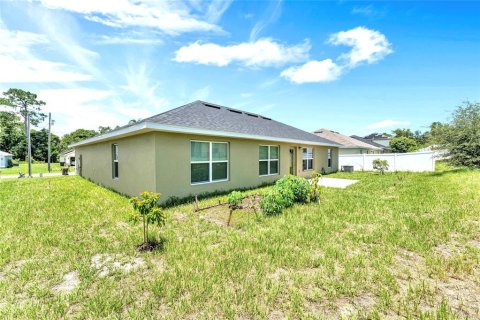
pixel 372 143
pixel 348 144
pixel 201 147
pixel 5 158
pixel 379 138
pixel 67 158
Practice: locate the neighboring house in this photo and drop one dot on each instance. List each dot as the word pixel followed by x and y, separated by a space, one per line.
pixel 348 145
pixel 67 158
pixel 201 147
pixel 379 138
pixel 378 145
pixel 5 158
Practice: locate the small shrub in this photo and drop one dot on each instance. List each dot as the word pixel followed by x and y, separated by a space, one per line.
pixel 380 165
pixel 298 185
pixel 234 199
pixel 272 202
pixel 146 208
pixel 314 195
pixel 9 163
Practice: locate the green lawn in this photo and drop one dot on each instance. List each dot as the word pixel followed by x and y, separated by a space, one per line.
pixel 403 245
pixel 36 168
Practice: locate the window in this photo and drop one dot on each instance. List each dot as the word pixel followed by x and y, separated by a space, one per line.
pixel 208 161
pixel 268 160
pixel 307 159
pixel 329 158
pixel 115 161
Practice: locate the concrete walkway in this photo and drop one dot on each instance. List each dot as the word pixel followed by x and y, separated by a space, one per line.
pixel 336 182
pixel 37 175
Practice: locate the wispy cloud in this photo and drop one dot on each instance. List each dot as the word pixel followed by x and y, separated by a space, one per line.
pixel 201 94
pixel 261 53
pixel 368 11
pixel 76 108
pixel 387 124
pixel 19 64
pixel 274 12
pixel 368 46
pixel 171 17
pixel 129 39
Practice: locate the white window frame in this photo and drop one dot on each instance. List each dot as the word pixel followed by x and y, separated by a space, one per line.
pixel 268 160
pixel 307 158
pixel 329 157
pixel 115 160
pixel 210 162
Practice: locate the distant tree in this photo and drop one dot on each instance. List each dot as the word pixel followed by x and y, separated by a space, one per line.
pixel 40 145
pixel 403 144
pixel 102 130
pixel 76 136
pixel 23 103
pixel 461 136
pixel 407 133
pixel 12 138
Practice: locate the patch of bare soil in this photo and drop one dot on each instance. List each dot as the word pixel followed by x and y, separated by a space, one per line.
pixel 149 246
pixel 276 315
pixel 70 282
pixel 344 307
pixel 460 292
pixel 106 264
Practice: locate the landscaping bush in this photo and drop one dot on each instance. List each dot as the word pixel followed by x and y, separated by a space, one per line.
pixel 234 199
pixel 297 185
pixel 273 202
pixel 380 165
pixel 9 163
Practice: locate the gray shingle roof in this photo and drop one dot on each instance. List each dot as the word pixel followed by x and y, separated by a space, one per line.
pixel 345 141
pixel 209 116
pixel 369 142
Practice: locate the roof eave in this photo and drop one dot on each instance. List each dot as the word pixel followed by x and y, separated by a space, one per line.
pixel 152 126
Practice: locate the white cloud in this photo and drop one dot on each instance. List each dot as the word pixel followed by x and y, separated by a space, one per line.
pixel 261 53
pixel 171 17
pixel 313 71
pixel 129 39
pixel 367 45
pixel 388 124
pixel 20 65
pixel 76 108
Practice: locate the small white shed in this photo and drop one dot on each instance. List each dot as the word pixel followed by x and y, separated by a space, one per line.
pixel 5 158
pixel 67 158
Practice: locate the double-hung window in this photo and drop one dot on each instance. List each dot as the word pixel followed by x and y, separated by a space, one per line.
pixel 208 161
pixel 115 161
pixel 307 159
pixel 268 160
pixel 329 158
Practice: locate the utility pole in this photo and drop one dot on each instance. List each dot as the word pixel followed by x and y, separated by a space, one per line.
pixel 49 140
pixel 29 147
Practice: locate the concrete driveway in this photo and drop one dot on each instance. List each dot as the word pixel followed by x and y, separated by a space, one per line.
pixel 336 182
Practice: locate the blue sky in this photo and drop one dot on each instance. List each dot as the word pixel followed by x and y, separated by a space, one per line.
pixel 354 67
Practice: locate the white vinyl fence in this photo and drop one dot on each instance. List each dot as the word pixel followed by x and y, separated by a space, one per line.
pixel 413 161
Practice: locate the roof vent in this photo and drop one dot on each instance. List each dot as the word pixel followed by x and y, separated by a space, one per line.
pixel 251 115
pixel 211 106
pixel 235 111
pixel 265 118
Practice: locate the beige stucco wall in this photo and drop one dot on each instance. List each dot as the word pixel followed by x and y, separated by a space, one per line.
pixel 136 163
pixel 161 162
